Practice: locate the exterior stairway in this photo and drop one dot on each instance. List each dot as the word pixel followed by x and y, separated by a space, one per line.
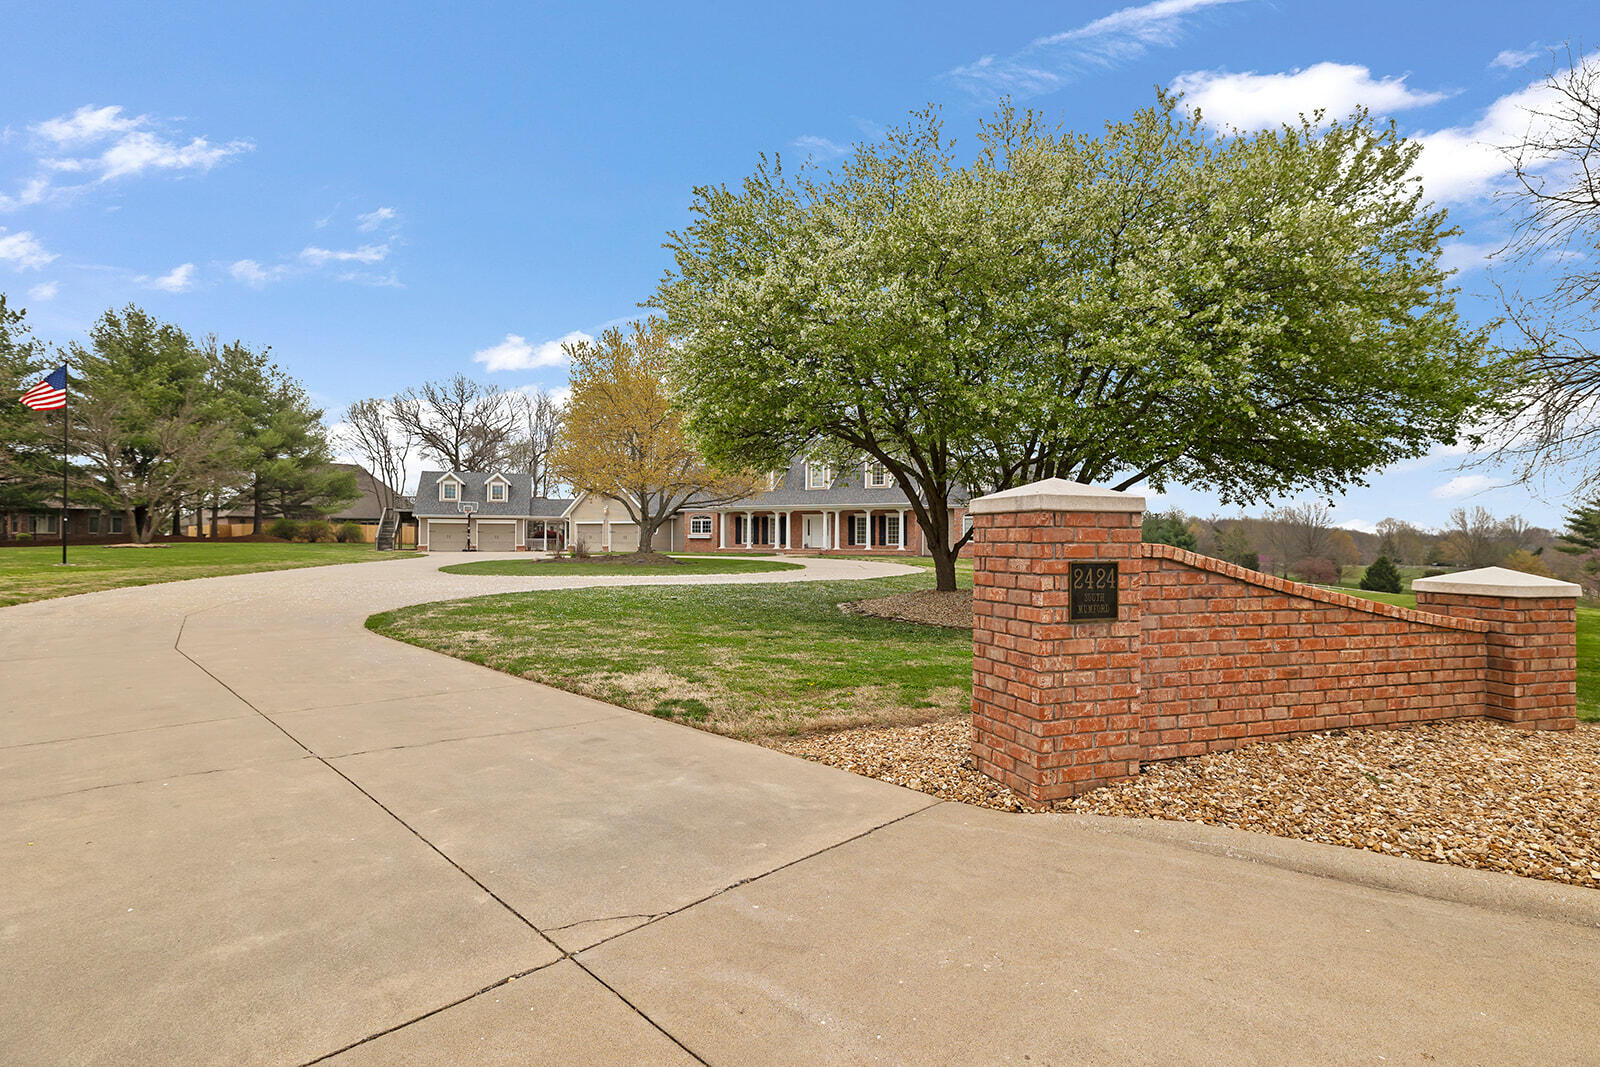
pixel 388 524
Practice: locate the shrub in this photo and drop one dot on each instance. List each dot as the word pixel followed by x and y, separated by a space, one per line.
pixel 1381 577
pixel 1317 571
pixel 316 530
pixel 580 550
pixel 1434 574
pixel 284 529
pixel 349 533
pixel 1526 562
pixel 1250 561
pixel 1168 528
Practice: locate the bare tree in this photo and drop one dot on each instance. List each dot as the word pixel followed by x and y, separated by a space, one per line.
pixel 1300 532
pixel 383 444
pixel 463 424
pixel 1401 541
pixel 540 419
pixel 1477 539
pixel 1555 420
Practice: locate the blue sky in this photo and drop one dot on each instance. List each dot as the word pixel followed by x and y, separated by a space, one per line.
pixel 387 193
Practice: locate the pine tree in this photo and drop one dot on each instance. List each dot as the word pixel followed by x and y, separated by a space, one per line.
pixel 1381 577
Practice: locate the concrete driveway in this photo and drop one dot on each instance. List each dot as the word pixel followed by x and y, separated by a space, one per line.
pixel 239 828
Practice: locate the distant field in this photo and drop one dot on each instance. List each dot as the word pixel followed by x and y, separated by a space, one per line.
pixel 36 573
pixel 568 567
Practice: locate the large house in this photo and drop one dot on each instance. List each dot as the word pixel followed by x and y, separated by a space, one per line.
pixel 808 508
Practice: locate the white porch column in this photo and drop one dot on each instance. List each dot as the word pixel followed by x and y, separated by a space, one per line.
pixel 722 529
pixel 748 534
pixel 833 530
pixel 777 531
pixel 902 530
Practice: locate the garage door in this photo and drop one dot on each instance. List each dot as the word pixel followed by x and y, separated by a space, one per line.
pixel 497 537
pixel 588 535
pixel 624 538
pixel 447 536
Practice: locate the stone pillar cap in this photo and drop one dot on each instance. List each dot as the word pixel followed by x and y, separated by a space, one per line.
pixel 1495 581
pixel 1055 494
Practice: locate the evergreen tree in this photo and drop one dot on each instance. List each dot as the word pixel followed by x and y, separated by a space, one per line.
pixel 1169 528
pixel 1381 577
pixel 1582 534
pixel 29 447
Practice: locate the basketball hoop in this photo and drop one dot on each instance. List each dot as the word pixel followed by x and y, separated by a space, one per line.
pixel 468 507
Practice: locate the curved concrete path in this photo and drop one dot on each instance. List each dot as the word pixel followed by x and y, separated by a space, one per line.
pixel 239 828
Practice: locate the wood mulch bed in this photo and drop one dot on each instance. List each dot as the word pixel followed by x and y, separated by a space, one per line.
pixel 928 606
pixel 1472 793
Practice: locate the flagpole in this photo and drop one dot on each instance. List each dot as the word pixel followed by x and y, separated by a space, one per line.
pixel 66 386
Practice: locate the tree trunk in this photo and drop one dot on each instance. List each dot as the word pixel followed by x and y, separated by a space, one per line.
pixel 177 519
pixel 647 534
pixel 141 524
pixel 255 498
pixel 936 534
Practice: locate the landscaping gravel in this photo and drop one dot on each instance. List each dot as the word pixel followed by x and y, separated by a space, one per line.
pixel 1468 793
pixel 928 606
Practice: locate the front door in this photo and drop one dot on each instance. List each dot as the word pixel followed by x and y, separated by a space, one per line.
pixel 813 534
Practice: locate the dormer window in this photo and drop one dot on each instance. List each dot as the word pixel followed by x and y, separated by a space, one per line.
pixel 497 492
pixel 818 476
pixel 877 475
pixel 449 491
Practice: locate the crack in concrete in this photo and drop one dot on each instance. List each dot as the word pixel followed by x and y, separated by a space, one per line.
pixel 471 737
pixel 118 733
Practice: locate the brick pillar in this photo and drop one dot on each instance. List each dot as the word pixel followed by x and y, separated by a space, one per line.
pixel 1531 678
pixel 1055 701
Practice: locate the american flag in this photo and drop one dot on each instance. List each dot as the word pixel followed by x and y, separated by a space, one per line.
pixel 49 394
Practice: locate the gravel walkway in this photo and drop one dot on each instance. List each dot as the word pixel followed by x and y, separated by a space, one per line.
pixel 1472 793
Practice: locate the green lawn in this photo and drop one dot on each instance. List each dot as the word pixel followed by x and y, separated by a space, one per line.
pixel 554 567
pixel 749 661
pixel 36 573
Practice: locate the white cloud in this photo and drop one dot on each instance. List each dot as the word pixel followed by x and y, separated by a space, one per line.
pixel 1511 59
pixel 1251 101
pixel 87 125
pixel 821 147
pixel 372 220
pixel 516 353
pixel 560 395
pixel 1464 485
pixel 23 251
pixel 1051 62
pixel 1464 256
pixel 34 191
pixel 179 279
pixel 1366 526
pixel 318 257
pixel 44 291
pixel 104 144
pixel 254 274
pixel 141 151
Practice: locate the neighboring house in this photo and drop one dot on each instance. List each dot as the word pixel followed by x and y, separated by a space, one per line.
pixel 488 512
pixel 83 521
pixel 808 508
pixel 366 511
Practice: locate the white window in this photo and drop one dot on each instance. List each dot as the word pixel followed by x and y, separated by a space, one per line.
pixel 448 490
pixel 497 491
pixel 818 476
pixel 877 476
pixel 858 523
pixel 891 529
pixel 700 526
pixel 966 523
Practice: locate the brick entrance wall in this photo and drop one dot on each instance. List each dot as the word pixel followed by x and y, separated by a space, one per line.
pixel 1205 656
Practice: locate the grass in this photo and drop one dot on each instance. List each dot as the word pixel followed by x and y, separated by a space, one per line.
pixel 36 573
pixel 534 567
pixel 747 661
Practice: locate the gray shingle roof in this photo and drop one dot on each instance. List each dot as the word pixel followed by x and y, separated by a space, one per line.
pixel 519 502
pixel 849 489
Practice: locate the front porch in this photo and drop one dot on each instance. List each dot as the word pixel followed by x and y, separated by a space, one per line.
pixel 889 531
